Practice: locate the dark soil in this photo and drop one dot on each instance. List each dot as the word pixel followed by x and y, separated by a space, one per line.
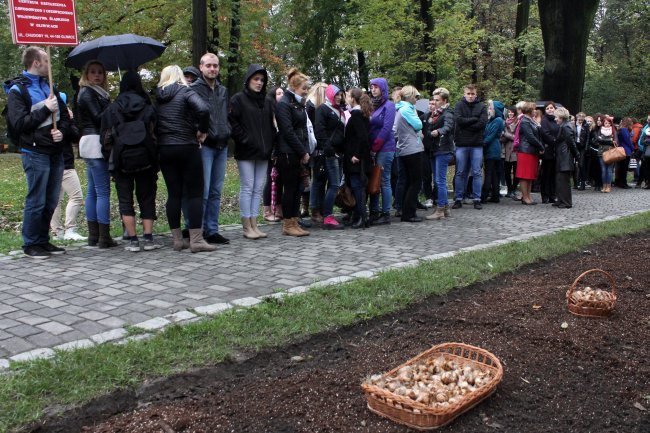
pixel 593 376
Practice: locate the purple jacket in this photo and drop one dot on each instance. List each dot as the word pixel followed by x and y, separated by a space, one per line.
pixel 381 121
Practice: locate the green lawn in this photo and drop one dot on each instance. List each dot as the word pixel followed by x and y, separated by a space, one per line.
pixel 13 189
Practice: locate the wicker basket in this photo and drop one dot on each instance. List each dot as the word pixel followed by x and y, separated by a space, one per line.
pixel 586 308
pixel 401 409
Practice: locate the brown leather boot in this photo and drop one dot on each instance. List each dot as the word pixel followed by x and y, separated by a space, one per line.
pixel 197 243
pixel 269 216
pixel 249 233
pixel 177 239
pixel 257 231
pixel 290 228
pixel 437 215
pixel 447 211
pixel 300 229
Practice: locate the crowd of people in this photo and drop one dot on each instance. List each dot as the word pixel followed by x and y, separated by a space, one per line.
pixel 297 150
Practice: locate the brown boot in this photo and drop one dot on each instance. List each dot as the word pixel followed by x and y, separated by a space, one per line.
pixel 249 233
pixel 300 229
pixel 177 239
pixel 269 216
pixel 257 231
pixel 278 212
pixel 447 211
pixel 437 215
pixel 290 228
pixel 316 216
pixel 197 243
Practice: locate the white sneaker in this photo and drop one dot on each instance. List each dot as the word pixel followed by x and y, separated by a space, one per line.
pixel 428 204
pixel 59 235
pixel 72 235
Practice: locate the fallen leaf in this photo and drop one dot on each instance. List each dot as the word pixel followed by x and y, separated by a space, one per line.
pixel 536 307
pixel 494 425
pixel 564 325
pixel 297 358
pixel 524 380
pixel 640 407
pixel 627 277
pixel 490 265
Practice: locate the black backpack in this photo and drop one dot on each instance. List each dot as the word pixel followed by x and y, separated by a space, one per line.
pixel 12 135
pixel 133 149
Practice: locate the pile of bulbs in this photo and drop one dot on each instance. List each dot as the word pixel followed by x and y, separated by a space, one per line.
pixel 589 294
pixel 438 382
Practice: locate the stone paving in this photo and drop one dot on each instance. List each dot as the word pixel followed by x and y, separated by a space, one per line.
pixel 88 296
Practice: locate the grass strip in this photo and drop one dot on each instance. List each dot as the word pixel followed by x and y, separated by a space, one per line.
pixel 75 377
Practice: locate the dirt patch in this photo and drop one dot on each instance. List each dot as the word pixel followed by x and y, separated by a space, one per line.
pixel 589 377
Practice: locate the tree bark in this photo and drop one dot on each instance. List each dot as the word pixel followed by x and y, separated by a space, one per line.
pixel 565 30
pixel 364 78
pixel 199 30
pixel 232 82
pixel 424 78
pixel 521 28
pixel 213 41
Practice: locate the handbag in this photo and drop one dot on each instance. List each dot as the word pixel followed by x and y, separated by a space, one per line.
pixel 345 198
pixel 374 180
pixel 615 154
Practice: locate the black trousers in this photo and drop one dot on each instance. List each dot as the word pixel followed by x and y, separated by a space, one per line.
pixel 427 178
pixel 182 169
pixel 644 172
pixel 511 175
pixel 563 188
pixel 491 185
pixel 621 172
pixel 413 168
pixel 144 185
pixel 547 179
pixel 290 170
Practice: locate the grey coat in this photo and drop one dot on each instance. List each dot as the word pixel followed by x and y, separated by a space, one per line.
pixel 408 139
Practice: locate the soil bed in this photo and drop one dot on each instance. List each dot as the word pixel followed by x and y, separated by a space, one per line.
pixel 589 377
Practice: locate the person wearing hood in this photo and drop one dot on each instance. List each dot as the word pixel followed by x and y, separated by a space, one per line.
pixel 214 150
pixel 92 100
pixel 251 119
pixel 604 139
pixel 329 128
pixel 179 111
pixel 191 74
pixel 133 172
pixel 382 147
pixel 407 129
pixel 492 150
pixel 566 153
pixel 549 131
pixel 470 116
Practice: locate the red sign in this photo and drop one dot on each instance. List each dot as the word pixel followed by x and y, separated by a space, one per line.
pixel 43 22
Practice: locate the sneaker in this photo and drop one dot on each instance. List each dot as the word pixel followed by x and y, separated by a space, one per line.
pixel 52 249
pixel 428 204
pixel 457 204
pixel 478 205
pixel 217 239
pixel 36 252
pixel 330 223
pixel 150 244
pixel 72 235
pixel 133 246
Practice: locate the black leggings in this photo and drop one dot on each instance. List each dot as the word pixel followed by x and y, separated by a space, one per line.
pixel 547 179
pixel 144 184
pixel 491 182
pixel 511 175
pixel 182 169
pixel 413 168
pixel 290 169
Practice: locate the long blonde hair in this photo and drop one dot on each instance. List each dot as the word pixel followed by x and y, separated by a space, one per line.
pixel 171 74
pixel 317 94
pixel 83 81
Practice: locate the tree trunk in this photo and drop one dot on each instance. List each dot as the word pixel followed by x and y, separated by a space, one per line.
pixel 424 79
pixel 521 28
pixel 364 78
pixel 213 41
pixel 199 30
pixel 232 82
pixel 565 30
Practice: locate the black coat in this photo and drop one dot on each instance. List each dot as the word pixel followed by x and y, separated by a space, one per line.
pixel 470 121
pixel 251 119
pixel 292 126
pixel 565 148
pixel 529 137
pixel 329 130
pixel 584 137
pixel 90 107
pixel 217 102
pixel 179 109
pixel 549 131
pixel 444 124
pixel 357 143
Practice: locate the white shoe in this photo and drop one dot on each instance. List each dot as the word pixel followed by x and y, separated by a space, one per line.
pixel 72 235
pixel 59 235
pixel 428 204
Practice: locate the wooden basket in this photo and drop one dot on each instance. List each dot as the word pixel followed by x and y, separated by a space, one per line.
pixel 384 402
pixel 587 308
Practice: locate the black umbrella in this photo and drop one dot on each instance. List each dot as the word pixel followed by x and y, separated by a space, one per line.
pixel 119 52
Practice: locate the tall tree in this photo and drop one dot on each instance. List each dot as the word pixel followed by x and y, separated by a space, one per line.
pixel 425 77
pixel 232 82
pixel 565 30
pixel 199 30
pixel 521 27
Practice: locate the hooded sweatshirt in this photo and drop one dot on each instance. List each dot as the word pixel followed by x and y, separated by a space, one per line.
pixel 179 109
pixel 251 119
pixel 407 129
pixel 329 125
pixel 381 121
pixel 493 132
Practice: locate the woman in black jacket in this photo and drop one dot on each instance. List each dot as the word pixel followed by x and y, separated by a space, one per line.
pixel 292 149
pixel 92 100
pixel 528 151
pixel 356 160
pixel 565 153
pixel 273 210
pixel 549 131
pixel 251 119
pixel 179 110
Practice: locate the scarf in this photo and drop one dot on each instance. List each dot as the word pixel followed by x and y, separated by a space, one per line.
pixel 607 132
pixel 438 112
pixel 100 91
pixel 377 102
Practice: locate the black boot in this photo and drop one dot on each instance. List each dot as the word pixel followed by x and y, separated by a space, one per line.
pixel 105 239
pixel 93 233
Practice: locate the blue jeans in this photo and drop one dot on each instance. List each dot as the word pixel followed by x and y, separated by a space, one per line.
pixel 439 165
pixel 252 175
pixel 400 186
pixel 333 171
pixel 359 190
pixel 214 173
pixel 468 158
pixel 44 174
pixel 98 204
pixel 385 161
pixel 606 171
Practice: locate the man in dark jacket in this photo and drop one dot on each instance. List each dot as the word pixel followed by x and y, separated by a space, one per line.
pixel 31 108
pixel 470 118
pixel 214 150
